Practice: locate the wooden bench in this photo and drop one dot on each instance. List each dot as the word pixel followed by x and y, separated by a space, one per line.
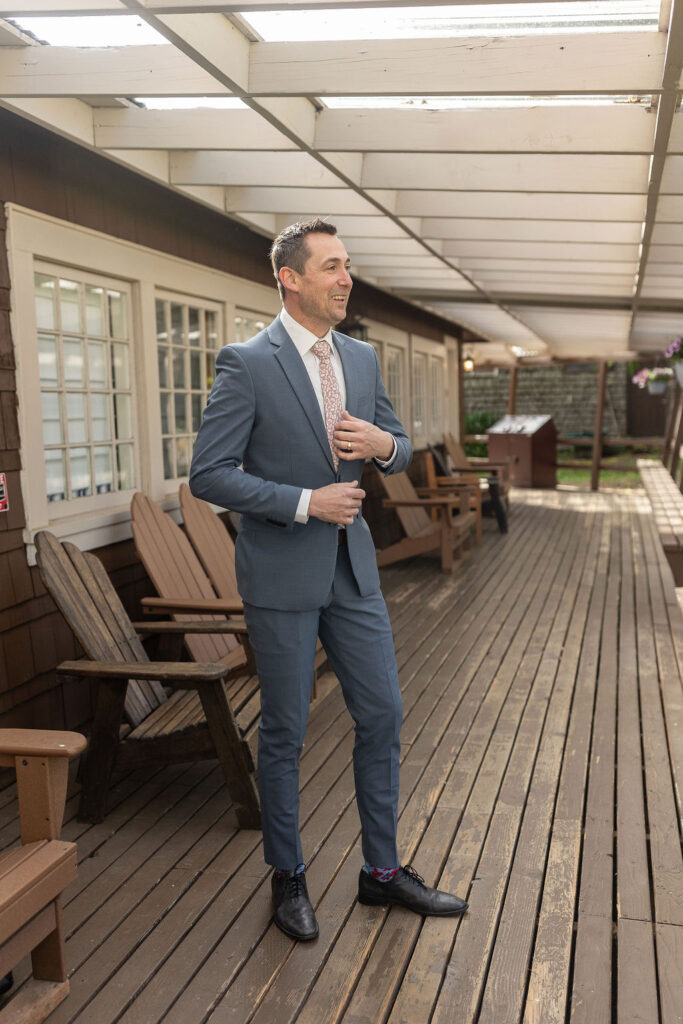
pixel 34 875
pixel 667 508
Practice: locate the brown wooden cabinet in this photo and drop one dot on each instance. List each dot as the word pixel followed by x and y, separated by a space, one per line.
pixel 530 443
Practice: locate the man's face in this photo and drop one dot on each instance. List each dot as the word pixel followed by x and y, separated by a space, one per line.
pixel 324 287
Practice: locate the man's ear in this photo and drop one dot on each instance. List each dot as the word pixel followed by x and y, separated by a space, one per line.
pixel 288 278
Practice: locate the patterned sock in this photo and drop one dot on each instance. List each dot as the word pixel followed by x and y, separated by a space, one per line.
pixel 381 874
pixel 284 873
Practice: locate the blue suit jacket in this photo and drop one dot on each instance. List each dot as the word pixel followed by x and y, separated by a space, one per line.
pixel 263 414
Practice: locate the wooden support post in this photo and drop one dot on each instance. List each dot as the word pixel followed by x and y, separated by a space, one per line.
pixel 461 395
pixel 672 428
pixel 597 430
pixel 512 393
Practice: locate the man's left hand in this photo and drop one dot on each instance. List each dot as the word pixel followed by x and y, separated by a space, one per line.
pixel 358 439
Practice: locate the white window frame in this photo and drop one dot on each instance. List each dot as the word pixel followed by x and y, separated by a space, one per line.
pixel 429 350
pixel 34 237
pixel 163 295
pixel 384 339
pixel 36 470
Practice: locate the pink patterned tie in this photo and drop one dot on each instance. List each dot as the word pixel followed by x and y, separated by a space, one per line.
pixel 332 399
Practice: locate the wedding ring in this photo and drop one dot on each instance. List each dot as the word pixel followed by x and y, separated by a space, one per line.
pixel 350 448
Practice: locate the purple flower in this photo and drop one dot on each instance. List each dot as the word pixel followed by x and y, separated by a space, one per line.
pixel 673 351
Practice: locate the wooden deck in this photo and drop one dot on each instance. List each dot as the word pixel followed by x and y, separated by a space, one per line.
pixel 542 760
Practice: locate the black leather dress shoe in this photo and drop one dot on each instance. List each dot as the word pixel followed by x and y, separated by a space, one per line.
pixel 407 889
pixel 293 913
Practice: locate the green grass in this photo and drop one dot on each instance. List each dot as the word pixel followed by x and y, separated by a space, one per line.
pixel 608 477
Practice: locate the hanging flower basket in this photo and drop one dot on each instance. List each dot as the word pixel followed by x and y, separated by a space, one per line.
pixel 654 379
pixel 674 353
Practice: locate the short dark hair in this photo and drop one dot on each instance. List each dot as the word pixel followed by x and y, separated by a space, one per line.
pixel 290 249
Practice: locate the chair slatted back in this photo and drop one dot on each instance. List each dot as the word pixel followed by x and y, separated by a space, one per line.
pixel 84 594
pixel 456 453
pixel 415 521
pixel 177 573
pixel 212 542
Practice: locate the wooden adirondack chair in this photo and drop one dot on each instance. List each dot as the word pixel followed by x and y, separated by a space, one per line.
pixel 195 722
pixel 34 875
pixel 215 549
pixel 463 464
pixel 451 533
pixel 441 484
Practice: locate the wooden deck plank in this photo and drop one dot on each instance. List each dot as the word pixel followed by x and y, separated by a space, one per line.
pixel 477 740
pixel 349 797
pixel 184 1007
pixel 542 737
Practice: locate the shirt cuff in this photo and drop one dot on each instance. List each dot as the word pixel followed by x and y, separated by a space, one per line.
pixel 301 515
pixel 385 465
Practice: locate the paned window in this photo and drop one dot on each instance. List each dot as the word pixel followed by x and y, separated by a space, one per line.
pixel 86 385
pixel 419 395
pixel 394 378
pixel 247 324
pixel 188 338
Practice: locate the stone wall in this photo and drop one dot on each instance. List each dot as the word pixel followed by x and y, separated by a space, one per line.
pixel 567 393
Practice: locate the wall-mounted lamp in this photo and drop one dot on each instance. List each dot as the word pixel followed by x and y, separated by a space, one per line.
pixel 468 364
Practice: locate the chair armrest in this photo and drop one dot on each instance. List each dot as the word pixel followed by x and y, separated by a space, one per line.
pixel 40 743
pixel 40 759
pixel 447 501
pixel 449 485
pixel 208 605
pixel 163 671
pixel 192 626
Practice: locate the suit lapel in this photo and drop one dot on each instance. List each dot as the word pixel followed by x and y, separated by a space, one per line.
pixel 293 367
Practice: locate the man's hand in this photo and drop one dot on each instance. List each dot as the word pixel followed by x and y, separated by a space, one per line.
pixel 366 440
pixel 336 503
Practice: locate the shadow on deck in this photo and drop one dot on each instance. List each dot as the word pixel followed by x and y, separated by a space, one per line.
pixel 542 759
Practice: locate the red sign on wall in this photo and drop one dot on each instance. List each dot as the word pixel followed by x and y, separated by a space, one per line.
pixel 4 500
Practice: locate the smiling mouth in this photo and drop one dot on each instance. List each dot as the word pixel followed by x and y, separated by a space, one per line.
pixel 340 298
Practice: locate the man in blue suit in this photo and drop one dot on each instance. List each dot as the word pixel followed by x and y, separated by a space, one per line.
pixel 292 416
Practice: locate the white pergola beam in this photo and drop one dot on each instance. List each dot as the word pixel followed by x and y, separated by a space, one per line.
pixel 194 167
pixel 505 172
pixel 540 250
pixel 478 267
pixel 25 8
pixel 619 62
pixel 69 117
pixel 330 202
pixel 115 71
pixel 530 206
pixel 202 128
pixel 532 231
pixel 608 129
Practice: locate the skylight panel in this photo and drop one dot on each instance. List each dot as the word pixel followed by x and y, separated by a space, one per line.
pixel 478 102
pixel 466 20
pixel 121 30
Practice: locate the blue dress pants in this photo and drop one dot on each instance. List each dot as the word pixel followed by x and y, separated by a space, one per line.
pixel 356 634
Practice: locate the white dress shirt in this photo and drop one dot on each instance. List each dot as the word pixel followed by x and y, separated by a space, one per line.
pixel 304 340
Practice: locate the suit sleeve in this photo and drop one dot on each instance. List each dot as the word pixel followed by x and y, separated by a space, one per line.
pixel 386 419
pixel 223 437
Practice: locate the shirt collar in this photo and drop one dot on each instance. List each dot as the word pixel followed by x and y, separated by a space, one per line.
pixel 301 336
